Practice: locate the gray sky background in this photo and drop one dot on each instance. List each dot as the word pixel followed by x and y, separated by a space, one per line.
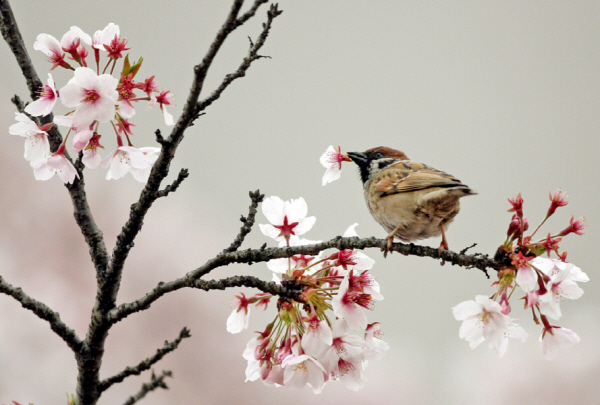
pixel 503 95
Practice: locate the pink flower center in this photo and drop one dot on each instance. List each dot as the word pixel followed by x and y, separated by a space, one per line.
pixel 286 229
pixel 91 96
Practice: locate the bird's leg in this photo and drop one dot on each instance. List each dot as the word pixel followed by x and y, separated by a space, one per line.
pixel 444 244
pixel 390 240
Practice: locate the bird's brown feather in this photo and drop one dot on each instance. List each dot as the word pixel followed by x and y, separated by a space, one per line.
pixel 410 176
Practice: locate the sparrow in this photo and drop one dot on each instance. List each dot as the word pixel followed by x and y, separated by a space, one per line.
pixel 410 200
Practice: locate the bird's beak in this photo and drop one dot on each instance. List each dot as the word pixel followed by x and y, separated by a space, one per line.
pixel 358 158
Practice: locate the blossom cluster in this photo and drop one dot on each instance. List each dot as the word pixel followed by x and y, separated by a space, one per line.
pixel 92 97
pixel 543 281
pixel 310 342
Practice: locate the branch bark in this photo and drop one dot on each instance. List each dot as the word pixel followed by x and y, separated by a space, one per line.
pixel 44 312
pixel 250 256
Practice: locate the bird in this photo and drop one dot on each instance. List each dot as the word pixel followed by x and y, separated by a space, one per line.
pixel 411 200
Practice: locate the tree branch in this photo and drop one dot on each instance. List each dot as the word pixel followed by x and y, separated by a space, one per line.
pixel 256 198
pixel 109 282
pixel 183 174
pixel 294 292
pixel 252 56
pixel 250 256
pixel 155 382
pixel 145 364
pixel 44 312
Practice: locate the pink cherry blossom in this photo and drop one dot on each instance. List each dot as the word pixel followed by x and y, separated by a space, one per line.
pixel 483 320
pixel 575 226
pixel 332 160
pixel 344 358
pixel 299 370
pixel 376 346
pixel 44 105
pixel 163 99
pixel 551 267
pixel 91 158
pixel 56 163
pixel 560 286
pixel 296 262
pixel 94 97
pixel 554 338
pixel 127 159
pixel 517 205
pixel 240 316
pixel 348 305
pixel 105 36
pixel 317 336
pixel 71 43
pixel 53 50
pixel 286 218
pixel 81 139
pixel 558 199
pixel 37 146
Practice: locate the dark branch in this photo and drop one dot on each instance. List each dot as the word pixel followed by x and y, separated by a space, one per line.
pixel 145 364
pixel 250 256
pixel 183 174
pixel 248 221
pixel 44 312
pixel 110 280
pixel 252 282
pixel 252 56
pixel 16 100
pixel 155 382
pixel 250 13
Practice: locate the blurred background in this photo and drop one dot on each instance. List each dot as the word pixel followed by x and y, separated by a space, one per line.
pixel 503 95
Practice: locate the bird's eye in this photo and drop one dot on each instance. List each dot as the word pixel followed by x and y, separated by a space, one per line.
pixel 378 155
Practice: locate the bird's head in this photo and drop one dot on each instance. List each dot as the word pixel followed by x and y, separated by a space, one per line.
pixel 374 160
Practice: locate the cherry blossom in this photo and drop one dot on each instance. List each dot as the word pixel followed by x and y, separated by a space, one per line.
pixel 517 205
pixel 526 275
pixel 44 105
pixel 81 139
pixel 94 97
pixel 349 302
pixel 53 50
pixel 91 159
pixel 558 199
pixel 163 99
pixel 576 226
pixel 483 320
pixel 376 346
pixel 344 358
pixel 240 316
pixel 295 262
pixel 127 159
pixel 37 146
pixel 317 336
pixel 104 36
pixel 286 218
pixel 561 285
pixel 332 160
pixel 299 370
pixel 71 43
pixel 554 338
pixel 56 163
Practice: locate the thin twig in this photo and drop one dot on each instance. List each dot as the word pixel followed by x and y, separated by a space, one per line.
pixel 248 221
pixel 145 364
pixel 183 174
pixel 155 382
pixel 252 56
pixel 44 312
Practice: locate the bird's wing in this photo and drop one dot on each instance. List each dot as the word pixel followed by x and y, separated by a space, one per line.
pixel 411 176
